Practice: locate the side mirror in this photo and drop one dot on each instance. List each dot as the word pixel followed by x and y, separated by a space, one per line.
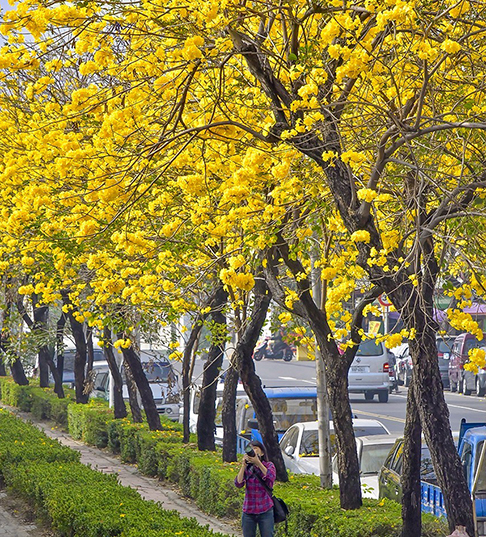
pixel 253 424
pixel 100 389
pixel 289 450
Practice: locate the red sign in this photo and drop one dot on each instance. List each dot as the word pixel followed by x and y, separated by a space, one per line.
pixel 384 300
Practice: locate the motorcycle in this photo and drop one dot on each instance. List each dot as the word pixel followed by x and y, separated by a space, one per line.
pixel 264 349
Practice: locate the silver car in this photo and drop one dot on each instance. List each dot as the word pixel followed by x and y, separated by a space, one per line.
pixel 370 371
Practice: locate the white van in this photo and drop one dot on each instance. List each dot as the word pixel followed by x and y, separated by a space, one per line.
pixel 369 372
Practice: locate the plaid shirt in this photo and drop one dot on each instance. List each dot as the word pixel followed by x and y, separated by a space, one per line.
pixel 257 499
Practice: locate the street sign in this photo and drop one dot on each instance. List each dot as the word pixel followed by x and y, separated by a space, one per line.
pixel 384 300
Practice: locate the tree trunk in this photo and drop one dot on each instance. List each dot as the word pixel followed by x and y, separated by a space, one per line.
pixel 143 385
pixel 61 323
pixel 252 383
pixel 411 490
pixel 132 394
pixel 79 360
pixel 187 368
pixel 18 373
pixel 207 407
pixel 347 457
pixel 90 350
pixel 3 369
pixel 434 416
pixel 120 410
pixel 228 415
pixel 41 314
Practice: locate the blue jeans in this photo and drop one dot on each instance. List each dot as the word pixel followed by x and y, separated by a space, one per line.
pixel 264 521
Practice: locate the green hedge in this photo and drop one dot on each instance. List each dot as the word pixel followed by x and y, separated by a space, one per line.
pixel 67 493
pixel 203 477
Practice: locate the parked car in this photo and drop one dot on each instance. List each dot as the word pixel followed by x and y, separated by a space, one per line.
pixel 164 383
pixel 460 379
pixel 99 362
pixel 300 446
pixel 481 380
pixel 405 366
pixel 445 346
pixel 369 372
pixel 389 476
pixel 372 452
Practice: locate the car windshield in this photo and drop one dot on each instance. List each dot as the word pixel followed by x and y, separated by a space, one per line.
pixel 157 372
pixel 369 347
pixel 444 345
pixel 373 457
pixel 369 430
pixel 69 355
pixel 286 412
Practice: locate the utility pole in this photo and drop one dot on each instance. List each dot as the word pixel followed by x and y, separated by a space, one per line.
pixel 325 471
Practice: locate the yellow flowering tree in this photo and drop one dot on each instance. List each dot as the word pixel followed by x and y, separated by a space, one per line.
pixel 369 114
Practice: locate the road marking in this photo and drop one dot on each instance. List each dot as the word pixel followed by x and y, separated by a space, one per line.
pixel 382 416
pixel 455 406
pixel 287 378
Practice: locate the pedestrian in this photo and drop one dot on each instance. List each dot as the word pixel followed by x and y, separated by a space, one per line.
pixel 257 506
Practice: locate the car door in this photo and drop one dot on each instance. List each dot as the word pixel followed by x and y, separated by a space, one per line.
pixel 290 446
pixel 389 476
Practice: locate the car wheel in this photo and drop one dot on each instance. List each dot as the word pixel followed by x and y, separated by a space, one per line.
pixel 383 396
pixel 369 396
pixel 480 390
pixel 460 386
pixel 467 391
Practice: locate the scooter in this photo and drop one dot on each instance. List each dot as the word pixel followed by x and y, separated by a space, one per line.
pixel 265 350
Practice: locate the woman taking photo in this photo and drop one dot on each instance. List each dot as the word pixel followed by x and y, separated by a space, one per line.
pixel 258 506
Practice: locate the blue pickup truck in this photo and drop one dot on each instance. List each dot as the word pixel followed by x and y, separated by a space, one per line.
pixel 472 438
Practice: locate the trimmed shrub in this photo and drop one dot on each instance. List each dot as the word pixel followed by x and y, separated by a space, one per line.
pixel 199 475
pixel 90 422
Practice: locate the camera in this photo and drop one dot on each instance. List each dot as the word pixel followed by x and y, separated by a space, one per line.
pixel 250 451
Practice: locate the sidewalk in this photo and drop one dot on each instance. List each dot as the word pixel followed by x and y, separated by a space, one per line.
pixel 13 523
pixel 149 488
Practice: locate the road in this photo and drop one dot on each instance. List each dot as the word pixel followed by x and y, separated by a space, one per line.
pixel 391 414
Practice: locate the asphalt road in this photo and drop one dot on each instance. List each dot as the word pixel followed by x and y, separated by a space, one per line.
pixel 391 414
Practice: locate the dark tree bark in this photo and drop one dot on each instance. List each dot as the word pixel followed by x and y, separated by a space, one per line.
pixel 243 360
pixel 119 410
pixel 18 373
pixel 132 394
pixel 90 350
pixel 41 315
pixel 143 385
pixel 207 407
pixel 16 367
pixel 187 368
pixel 337 367
pixel 411 491
pixel 60 325
pixel 45 357
pixel 228 415
pixel 79 360
pixel 3 369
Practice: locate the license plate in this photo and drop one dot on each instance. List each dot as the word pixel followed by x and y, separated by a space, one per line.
pixel 359 369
